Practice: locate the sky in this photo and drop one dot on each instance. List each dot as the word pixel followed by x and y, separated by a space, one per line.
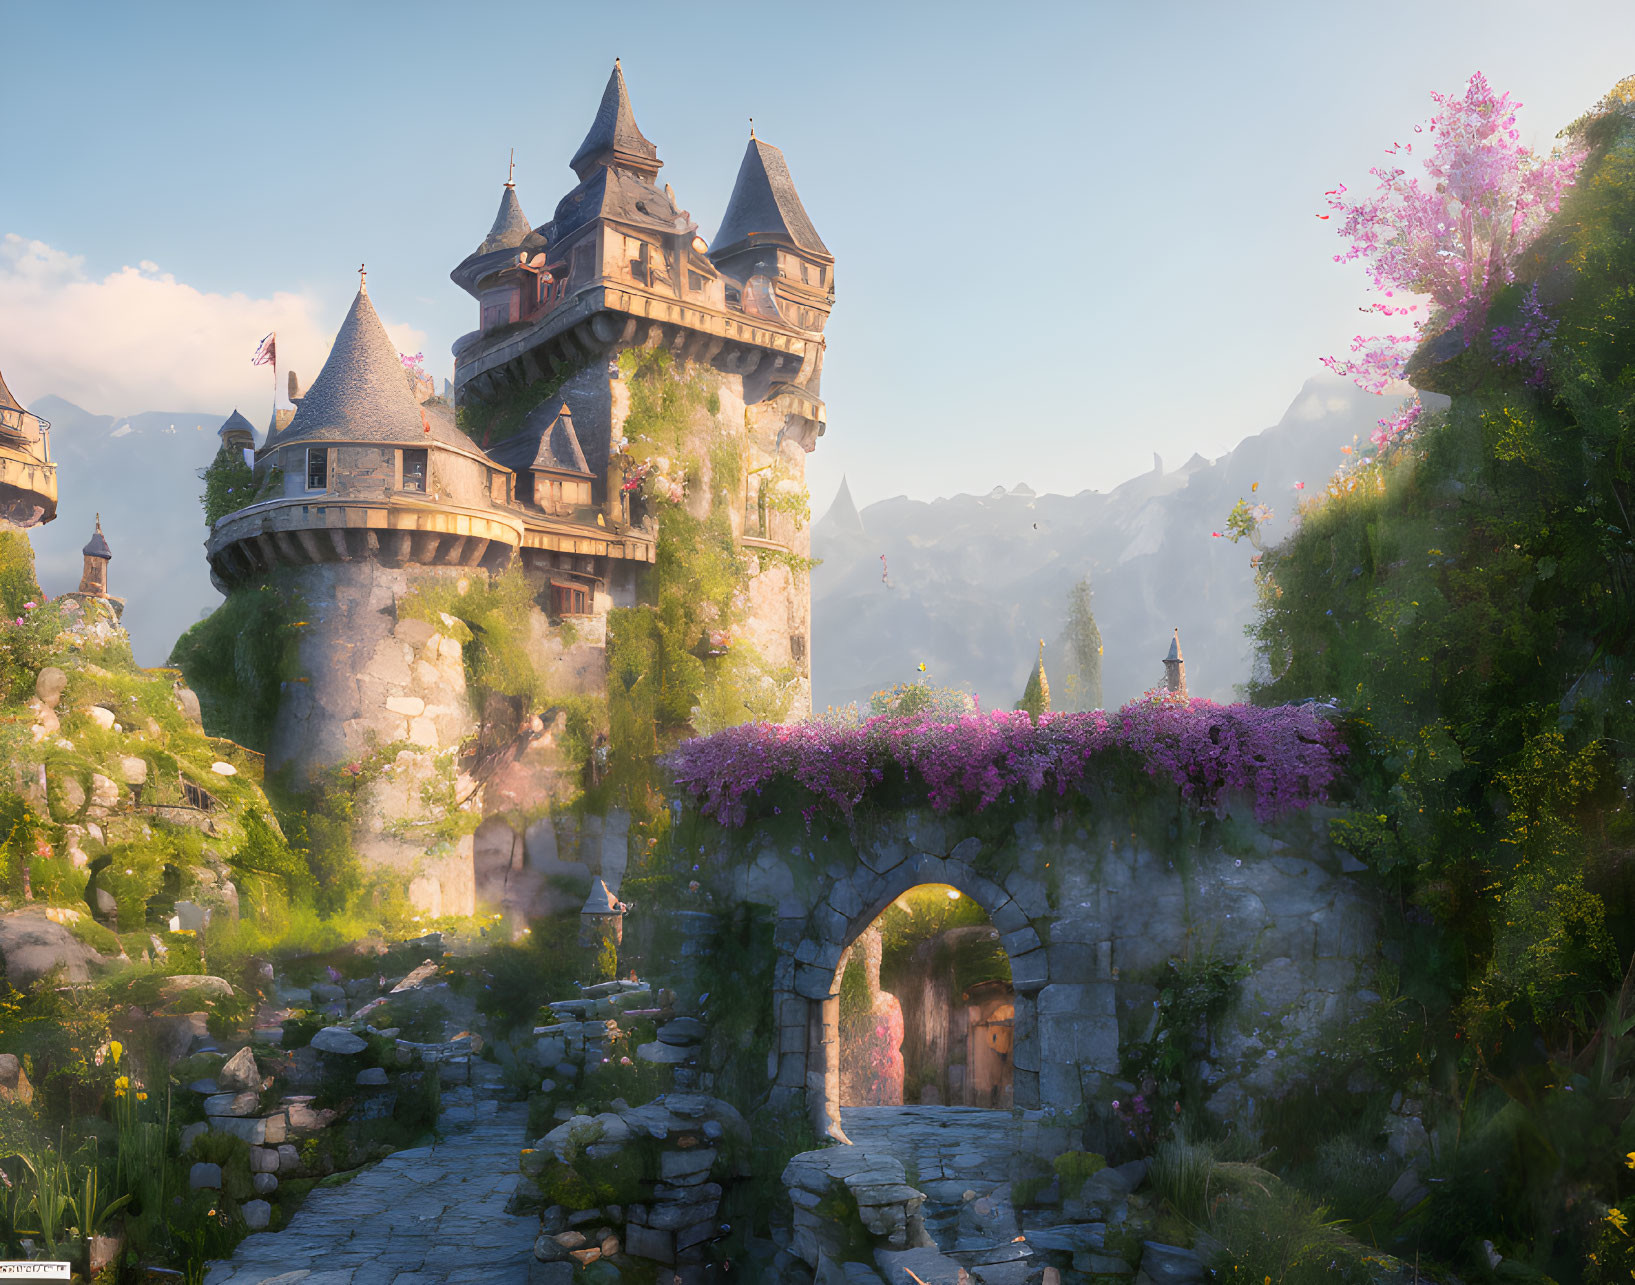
pixel 1067 236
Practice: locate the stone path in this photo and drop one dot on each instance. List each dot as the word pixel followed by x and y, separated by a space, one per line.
pixel 428 1216
pixel 958 1156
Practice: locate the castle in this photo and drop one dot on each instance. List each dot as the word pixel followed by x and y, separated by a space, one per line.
pixel 28 477
pixel 374 487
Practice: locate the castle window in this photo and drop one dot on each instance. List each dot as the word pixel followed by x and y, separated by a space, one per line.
pixel 695 283
pixel 804 280
pixel 317 468
pixel 797 646
pixel 414 470
pixel 822 273
pixel 568 599
pixel 197 796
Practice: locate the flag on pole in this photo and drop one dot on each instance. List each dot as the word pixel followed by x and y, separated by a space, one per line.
pixel 267 352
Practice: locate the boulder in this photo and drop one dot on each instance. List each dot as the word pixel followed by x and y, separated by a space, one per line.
pixel 337 1039
pixel 204 1177
pixel 188 702
pixel 102 716
pixel 1171 1265
pixel 371 1076
pixel 235 1104
pixel 32 947
pixel 239 1072
pixel 133 769
pixel 48 686
pixel 200 984
pixel 256 1214
pixel 14 1085
pixel 264 1184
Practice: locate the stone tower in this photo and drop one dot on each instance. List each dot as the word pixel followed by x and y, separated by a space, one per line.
pixel 28 478
pixel 93 579
pixel 622 266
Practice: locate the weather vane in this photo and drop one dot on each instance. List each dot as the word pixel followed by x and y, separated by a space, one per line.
pixel 511 174
pixel 363 278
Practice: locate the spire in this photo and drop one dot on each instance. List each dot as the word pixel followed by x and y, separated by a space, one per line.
pixel 614 138
pixel 1175 670
pixel 362 393
pixel 7 401
pixel 97 546
pixel 765 206
pixel 510 224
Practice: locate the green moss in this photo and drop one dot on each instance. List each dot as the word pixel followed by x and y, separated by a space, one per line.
pixel 240 658
pixel 492 422
pixel 1073 1170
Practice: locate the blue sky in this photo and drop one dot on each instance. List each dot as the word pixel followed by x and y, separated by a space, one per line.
pixel 1068 235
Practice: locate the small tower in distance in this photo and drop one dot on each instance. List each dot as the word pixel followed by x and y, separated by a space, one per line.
pixel 94 581
pixel 1175 669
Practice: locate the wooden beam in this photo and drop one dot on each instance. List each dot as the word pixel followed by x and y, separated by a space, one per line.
pixel 450 554
pixel 337 537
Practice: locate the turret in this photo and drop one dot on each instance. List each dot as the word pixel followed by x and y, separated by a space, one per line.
pixel 236 433
pixel 614 138
pixel 768 248
pixel 1175 670
pixel 93 581
pixel 28 478
pixel 363 470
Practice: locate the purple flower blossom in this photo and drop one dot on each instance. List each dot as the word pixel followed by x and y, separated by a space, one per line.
pixel 1286 757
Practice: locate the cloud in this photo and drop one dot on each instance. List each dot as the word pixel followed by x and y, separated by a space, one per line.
pixel 139 339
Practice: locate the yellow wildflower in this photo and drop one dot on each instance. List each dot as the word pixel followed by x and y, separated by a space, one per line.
pixel 116 1048
pixel 141 1097
pixel 1619 1219
pixel 1630 1160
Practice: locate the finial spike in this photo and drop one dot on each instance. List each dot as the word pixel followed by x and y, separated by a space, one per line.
pixel 511 174
pixel 752 127
pixel 363 279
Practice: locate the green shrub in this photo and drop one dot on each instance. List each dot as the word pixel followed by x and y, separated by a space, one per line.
pixel 239 658
pixel 1073 1170
pixel 1180 1172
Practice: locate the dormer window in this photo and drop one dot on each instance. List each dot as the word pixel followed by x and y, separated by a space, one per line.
pixel 317 468
pixel 414 470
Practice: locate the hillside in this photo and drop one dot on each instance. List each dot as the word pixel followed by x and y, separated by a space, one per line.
pixel 975 581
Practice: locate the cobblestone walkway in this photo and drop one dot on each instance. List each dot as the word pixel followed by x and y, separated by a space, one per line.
pixel 428 1216
pixel 958 1156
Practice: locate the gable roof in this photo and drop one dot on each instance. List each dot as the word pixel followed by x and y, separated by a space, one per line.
pixel 363 395
pixel 765 206
pixel 547 441
pixel 614 137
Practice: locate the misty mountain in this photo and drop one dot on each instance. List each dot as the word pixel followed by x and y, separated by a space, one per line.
pixel 972 583
pixel 139 472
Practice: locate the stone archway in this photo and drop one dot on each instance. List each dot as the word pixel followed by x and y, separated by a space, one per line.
pixel 809 1005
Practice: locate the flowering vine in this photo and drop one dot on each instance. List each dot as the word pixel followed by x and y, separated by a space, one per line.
pixel 1285 757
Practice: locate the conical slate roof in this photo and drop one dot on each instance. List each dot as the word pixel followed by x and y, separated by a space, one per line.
pixel 613 135
pixel 545 442
pixel 362 394
pixel 765 206
pixel 97 547
pixel 511 226
pixel 1174 647
pixel 236 423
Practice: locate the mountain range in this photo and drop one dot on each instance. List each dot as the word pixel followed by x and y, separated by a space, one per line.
pixel 970 585
pixel 140 473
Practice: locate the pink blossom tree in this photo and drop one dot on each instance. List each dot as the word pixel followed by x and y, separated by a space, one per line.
pixel 1454 235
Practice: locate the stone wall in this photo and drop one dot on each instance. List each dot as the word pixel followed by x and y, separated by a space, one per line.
pixel 372 678
pixel 1090 914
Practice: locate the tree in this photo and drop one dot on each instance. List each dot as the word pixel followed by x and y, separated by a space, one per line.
pixel 1456 237
pixel 1081 647
pixel 1036 696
